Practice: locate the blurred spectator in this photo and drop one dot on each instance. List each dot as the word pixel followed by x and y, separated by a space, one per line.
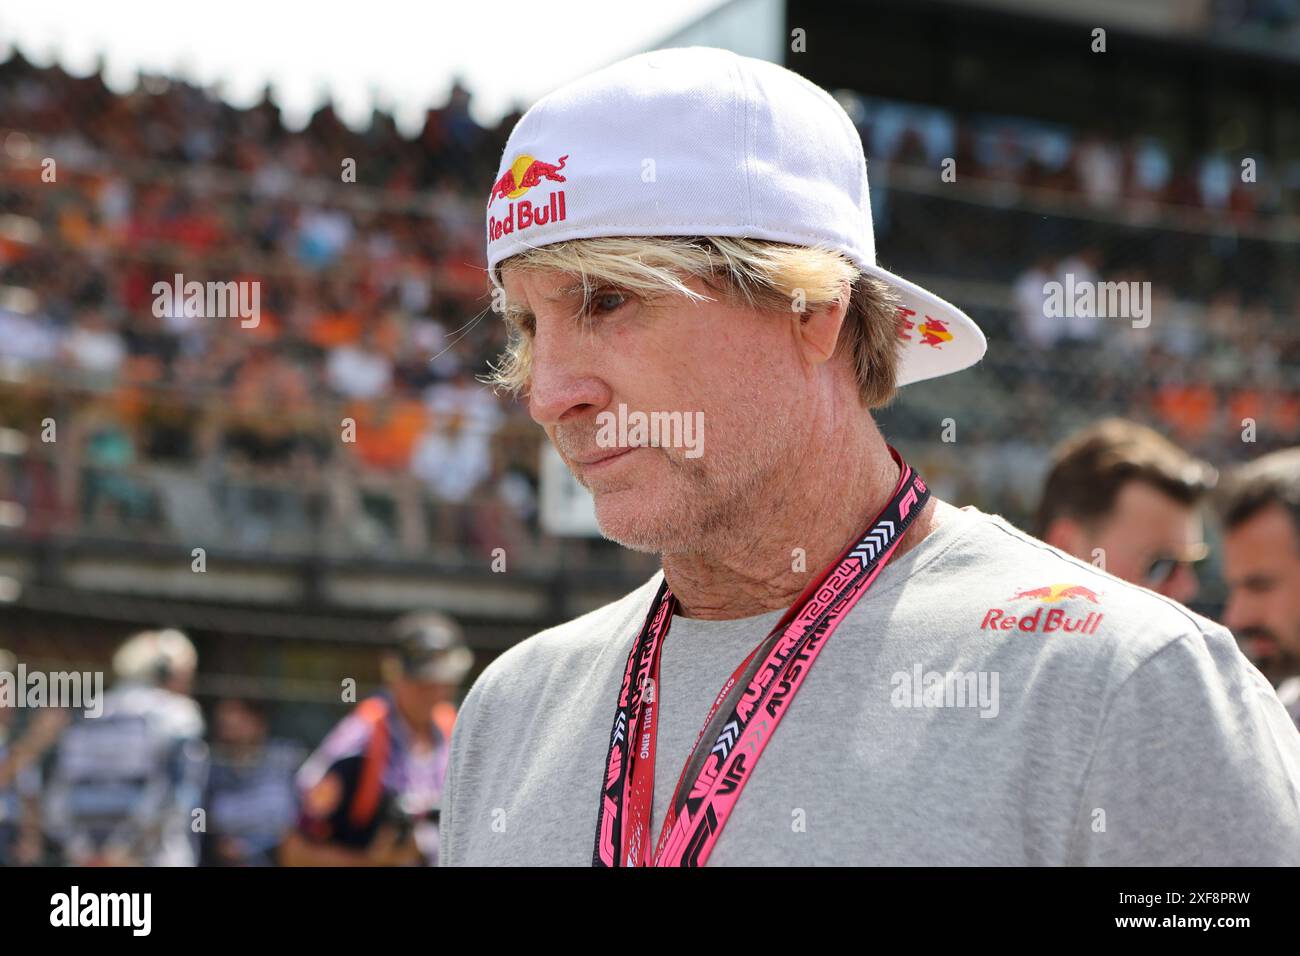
pixel 359 369
pixel 1215 178
pixel 1122 496
pixel 26 340
pixel 386 432
pixel 465 396
pixel 94 348
pixel 1100 170
pixel 1150 169
pixel 125 784
pixel 1031 293
pixel 250 798
pixel 452 459
pixel 323 234
pixel 1076 271
pixel 111 492
pixel 20 775
pixel 1260 506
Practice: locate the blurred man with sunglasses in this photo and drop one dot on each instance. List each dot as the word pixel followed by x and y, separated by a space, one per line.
pixel 1260 506
pixel 1123 497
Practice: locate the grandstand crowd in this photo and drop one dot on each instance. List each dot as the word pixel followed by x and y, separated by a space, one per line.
pixel 374 306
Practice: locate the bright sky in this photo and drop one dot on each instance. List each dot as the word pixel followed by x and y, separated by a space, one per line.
pixel 406 51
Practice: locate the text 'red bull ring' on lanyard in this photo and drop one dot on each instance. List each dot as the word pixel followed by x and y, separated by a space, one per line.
pixel 759 691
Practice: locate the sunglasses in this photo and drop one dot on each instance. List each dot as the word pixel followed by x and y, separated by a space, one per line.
pixel 1162 568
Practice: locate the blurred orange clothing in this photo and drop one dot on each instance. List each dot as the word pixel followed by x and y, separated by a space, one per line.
pixel 1276 410
pixel 1286 413
pixel 1189 409
pixel 1247 403
pixel 334 328
pixel 387 432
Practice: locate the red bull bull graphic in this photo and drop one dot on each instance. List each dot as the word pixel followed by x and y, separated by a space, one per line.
pixel 932 332
pixel 524 174
pixel 1046 620
pixel 1057 592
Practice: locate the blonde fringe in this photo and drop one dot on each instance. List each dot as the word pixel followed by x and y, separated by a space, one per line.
pixel 764 275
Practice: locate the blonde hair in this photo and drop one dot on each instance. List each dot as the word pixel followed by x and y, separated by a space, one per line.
pixel 762 274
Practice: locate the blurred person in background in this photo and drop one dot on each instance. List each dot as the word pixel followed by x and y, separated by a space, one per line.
pixel 20 775
pixel 1034 324
pixel 451 460
pixel 1260 508
pixel 93 349
pixel 250 797
pixel 1080 268
pixel 1122 492
pixel 360 369
pixel 371 793
pixel 125 785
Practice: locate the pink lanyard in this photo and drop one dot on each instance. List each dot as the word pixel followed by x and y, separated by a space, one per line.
pixel 769 680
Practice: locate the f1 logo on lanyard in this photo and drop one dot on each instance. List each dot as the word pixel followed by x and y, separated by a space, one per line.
pixel 745 713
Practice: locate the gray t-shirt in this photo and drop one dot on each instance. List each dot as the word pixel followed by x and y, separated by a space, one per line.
pixel 989 701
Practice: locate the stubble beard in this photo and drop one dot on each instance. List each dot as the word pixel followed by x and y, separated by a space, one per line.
pixel 696 508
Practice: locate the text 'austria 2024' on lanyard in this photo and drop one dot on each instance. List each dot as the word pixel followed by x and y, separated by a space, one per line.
pixel 744 714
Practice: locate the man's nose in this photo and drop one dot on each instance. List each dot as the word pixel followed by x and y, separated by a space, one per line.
pixel 565 376
pixel 1238 614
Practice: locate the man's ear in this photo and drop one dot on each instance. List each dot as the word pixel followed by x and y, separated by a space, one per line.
pixel 819 329
pixel 1066 534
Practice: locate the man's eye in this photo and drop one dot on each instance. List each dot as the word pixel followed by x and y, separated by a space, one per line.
pixel 606 301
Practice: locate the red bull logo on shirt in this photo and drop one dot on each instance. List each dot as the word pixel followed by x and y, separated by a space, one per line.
pixel 1057 592
pixel 525 173
pixel 1045 620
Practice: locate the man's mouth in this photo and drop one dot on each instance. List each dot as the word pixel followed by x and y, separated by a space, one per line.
pixel 604 460
pixel 1262 647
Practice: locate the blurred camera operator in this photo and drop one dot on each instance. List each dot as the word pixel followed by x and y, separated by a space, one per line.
pixel 370 794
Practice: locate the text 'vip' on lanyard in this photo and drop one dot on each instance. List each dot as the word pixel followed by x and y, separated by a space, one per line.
pixel 745 713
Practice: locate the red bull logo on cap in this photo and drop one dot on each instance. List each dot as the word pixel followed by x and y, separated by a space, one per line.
pixel 933 332
pixel 525 173
pixel 1054 619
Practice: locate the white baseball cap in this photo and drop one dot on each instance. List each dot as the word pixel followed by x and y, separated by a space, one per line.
pixel 699 141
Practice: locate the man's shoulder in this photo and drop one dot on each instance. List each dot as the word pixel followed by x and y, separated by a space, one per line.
pixel 575 644
pixel 1026 587
pixel 170 713
pixel 1080 645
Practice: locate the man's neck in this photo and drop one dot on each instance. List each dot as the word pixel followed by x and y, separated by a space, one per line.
pixel 827 505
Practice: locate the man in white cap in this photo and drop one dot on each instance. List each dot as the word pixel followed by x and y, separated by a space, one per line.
pixel 833 666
